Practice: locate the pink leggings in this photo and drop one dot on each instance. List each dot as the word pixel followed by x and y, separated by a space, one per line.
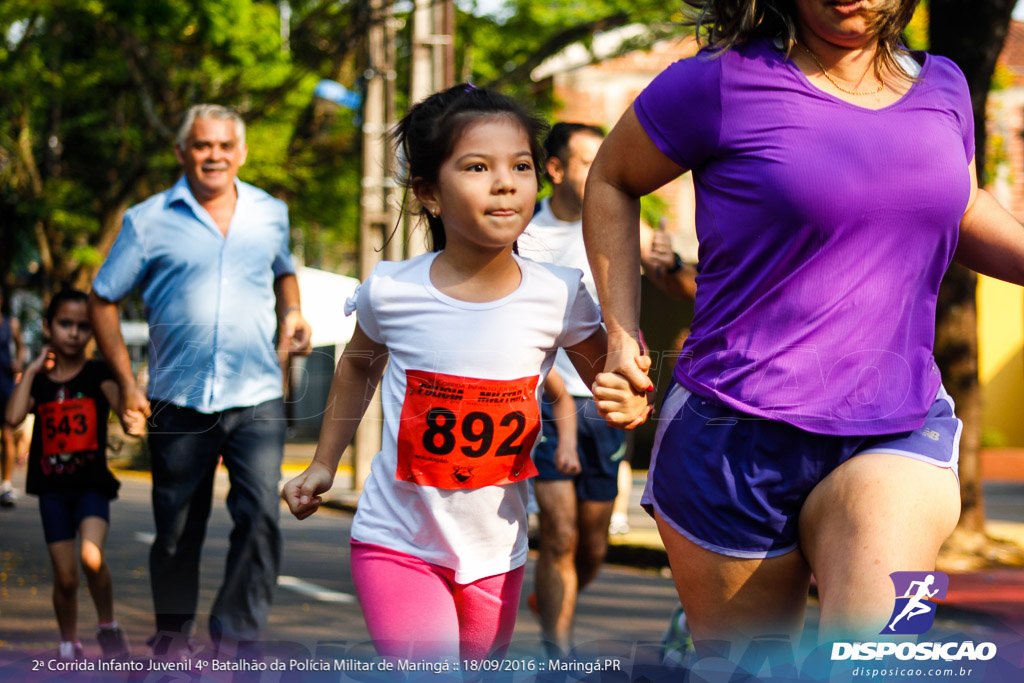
pixel 416 610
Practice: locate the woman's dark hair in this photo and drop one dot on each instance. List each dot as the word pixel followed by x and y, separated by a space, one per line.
pixel 62 297
pixel 427 135
pixel 724 24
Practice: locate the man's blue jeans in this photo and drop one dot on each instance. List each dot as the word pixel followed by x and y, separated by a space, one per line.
pixel 184 448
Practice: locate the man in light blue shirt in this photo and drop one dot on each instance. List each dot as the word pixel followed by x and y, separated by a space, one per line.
pixel 210 258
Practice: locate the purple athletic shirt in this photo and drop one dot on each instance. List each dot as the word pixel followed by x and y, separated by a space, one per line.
pixel 824 228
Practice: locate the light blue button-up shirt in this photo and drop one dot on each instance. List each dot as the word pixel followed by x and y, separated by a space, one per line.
pixel 209 299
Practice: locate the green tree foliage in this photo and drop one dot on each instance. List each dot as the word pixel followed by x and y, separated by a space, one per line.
pixel 91 91
pixel 502 52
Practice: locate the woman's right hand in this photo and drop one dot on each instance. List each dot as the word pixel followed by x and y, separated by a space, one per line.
pixel 303 492
pixel 626 358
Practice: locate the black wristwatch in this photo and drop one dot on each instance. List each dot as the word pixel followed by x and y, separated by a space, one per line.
pixel 677 266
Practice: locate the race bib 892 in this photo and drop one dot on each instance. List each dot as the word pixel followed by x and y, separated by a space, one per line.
pixel 466 433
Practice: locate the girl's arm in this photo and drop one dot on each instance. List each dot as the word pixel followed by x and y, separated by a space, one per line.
pixel 618 400
pixel 991 239
pixel 563 408
pixel 355 381
pixel 20 403
pixel 111 392
pixel 133 424
pixel 627 166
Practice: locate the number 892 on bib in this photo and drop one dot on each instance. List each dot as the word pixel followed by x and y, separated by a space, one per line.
pixel 466 433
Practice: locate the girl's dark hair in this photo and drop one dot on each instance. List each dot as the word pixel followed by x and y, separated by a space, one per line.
pixel 724 24
pixel 427 135
pixel 60 298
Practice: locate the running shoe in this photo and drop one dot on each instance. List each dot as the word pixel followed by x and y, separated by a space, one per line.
pixel 69 652
pixel 676 644
pixel 7 496
pixel 113 642
pixel 172 647
pixel 619 525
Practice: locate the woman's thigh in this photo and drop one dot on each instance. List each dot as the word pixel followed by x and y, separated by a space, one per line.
pixel 736 599
pixel 875 514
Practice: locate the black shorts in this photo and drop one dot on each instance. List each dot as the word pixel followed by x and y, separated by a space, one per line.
pixel 63 512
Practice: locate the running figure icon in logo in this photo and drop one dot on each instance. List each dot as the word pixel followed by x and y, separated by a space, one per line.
pixel 914 603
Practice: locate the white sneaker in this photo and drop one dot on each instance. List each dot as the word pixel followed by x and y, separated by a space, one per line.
pixel 7 495
pixel 69 652
pixel 619 524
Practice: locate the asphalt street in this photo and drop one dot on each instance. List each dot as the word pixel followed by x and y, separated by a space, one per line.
pixel 315 602
pixel 622 616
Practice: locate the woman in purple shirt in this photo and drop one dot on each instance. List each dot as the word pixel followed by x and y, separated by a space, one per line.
pixel 807 429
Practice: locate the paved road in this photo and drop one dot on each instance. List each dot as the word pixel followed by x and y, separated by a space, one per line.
pixel 315 599
pixel 623 614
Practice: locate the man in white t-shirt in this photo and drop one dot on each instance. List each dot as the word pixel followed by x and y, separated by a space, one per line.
pixel 578 471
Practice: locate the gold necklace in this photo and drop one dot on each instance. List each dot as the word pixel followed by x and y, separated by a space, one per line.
pixel 881 83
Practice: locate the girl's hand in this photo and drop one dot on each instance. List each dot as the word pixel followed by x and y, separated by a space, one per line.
pixel 133 423
pixel 619 403
pixel 133 410
pixel 303 492
pixel 44 363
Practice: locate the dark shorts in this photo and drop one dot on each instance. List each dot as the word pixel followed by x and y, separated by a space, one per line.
pixel 734 484
pixel 600 448
pixel 63 512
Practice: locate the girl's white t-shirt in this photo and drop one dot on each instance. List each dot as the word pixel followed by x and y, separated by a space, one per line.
pixel 438 346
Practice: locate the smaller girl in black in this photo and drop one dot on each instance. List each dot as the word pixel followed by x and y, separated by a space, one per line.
pixel 71 398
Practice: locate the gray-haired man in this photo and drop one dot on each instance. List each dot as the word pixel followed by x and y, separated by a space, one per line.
pixel 210 258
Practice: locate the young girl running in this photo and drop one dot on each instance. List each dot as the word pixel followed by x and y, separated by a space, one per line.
pixel 468 333
pixel 71 398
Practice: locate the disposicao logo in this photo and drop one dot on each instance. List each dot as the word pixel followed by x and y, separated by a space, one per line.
pixel 914 612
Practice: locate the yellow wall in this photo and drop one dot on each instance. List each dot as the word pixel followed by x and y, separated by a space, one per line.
pixel 1001 361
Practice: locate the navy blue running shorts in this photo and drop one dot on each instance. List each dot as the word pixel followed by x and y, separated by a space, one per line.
pixel 599 446
pixel 63 512
pixel 735 484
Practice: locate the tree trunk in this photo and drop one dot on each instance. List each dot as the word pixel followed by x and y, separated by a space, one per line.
pixel 972 35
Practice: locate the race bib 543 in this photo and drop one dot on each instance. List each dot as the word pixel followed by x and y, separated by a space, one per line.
pixel 466 433
pixel 69 426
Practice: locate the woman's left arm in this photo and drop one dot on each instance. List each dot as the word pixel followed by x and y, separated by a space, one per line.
pixel 991 239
